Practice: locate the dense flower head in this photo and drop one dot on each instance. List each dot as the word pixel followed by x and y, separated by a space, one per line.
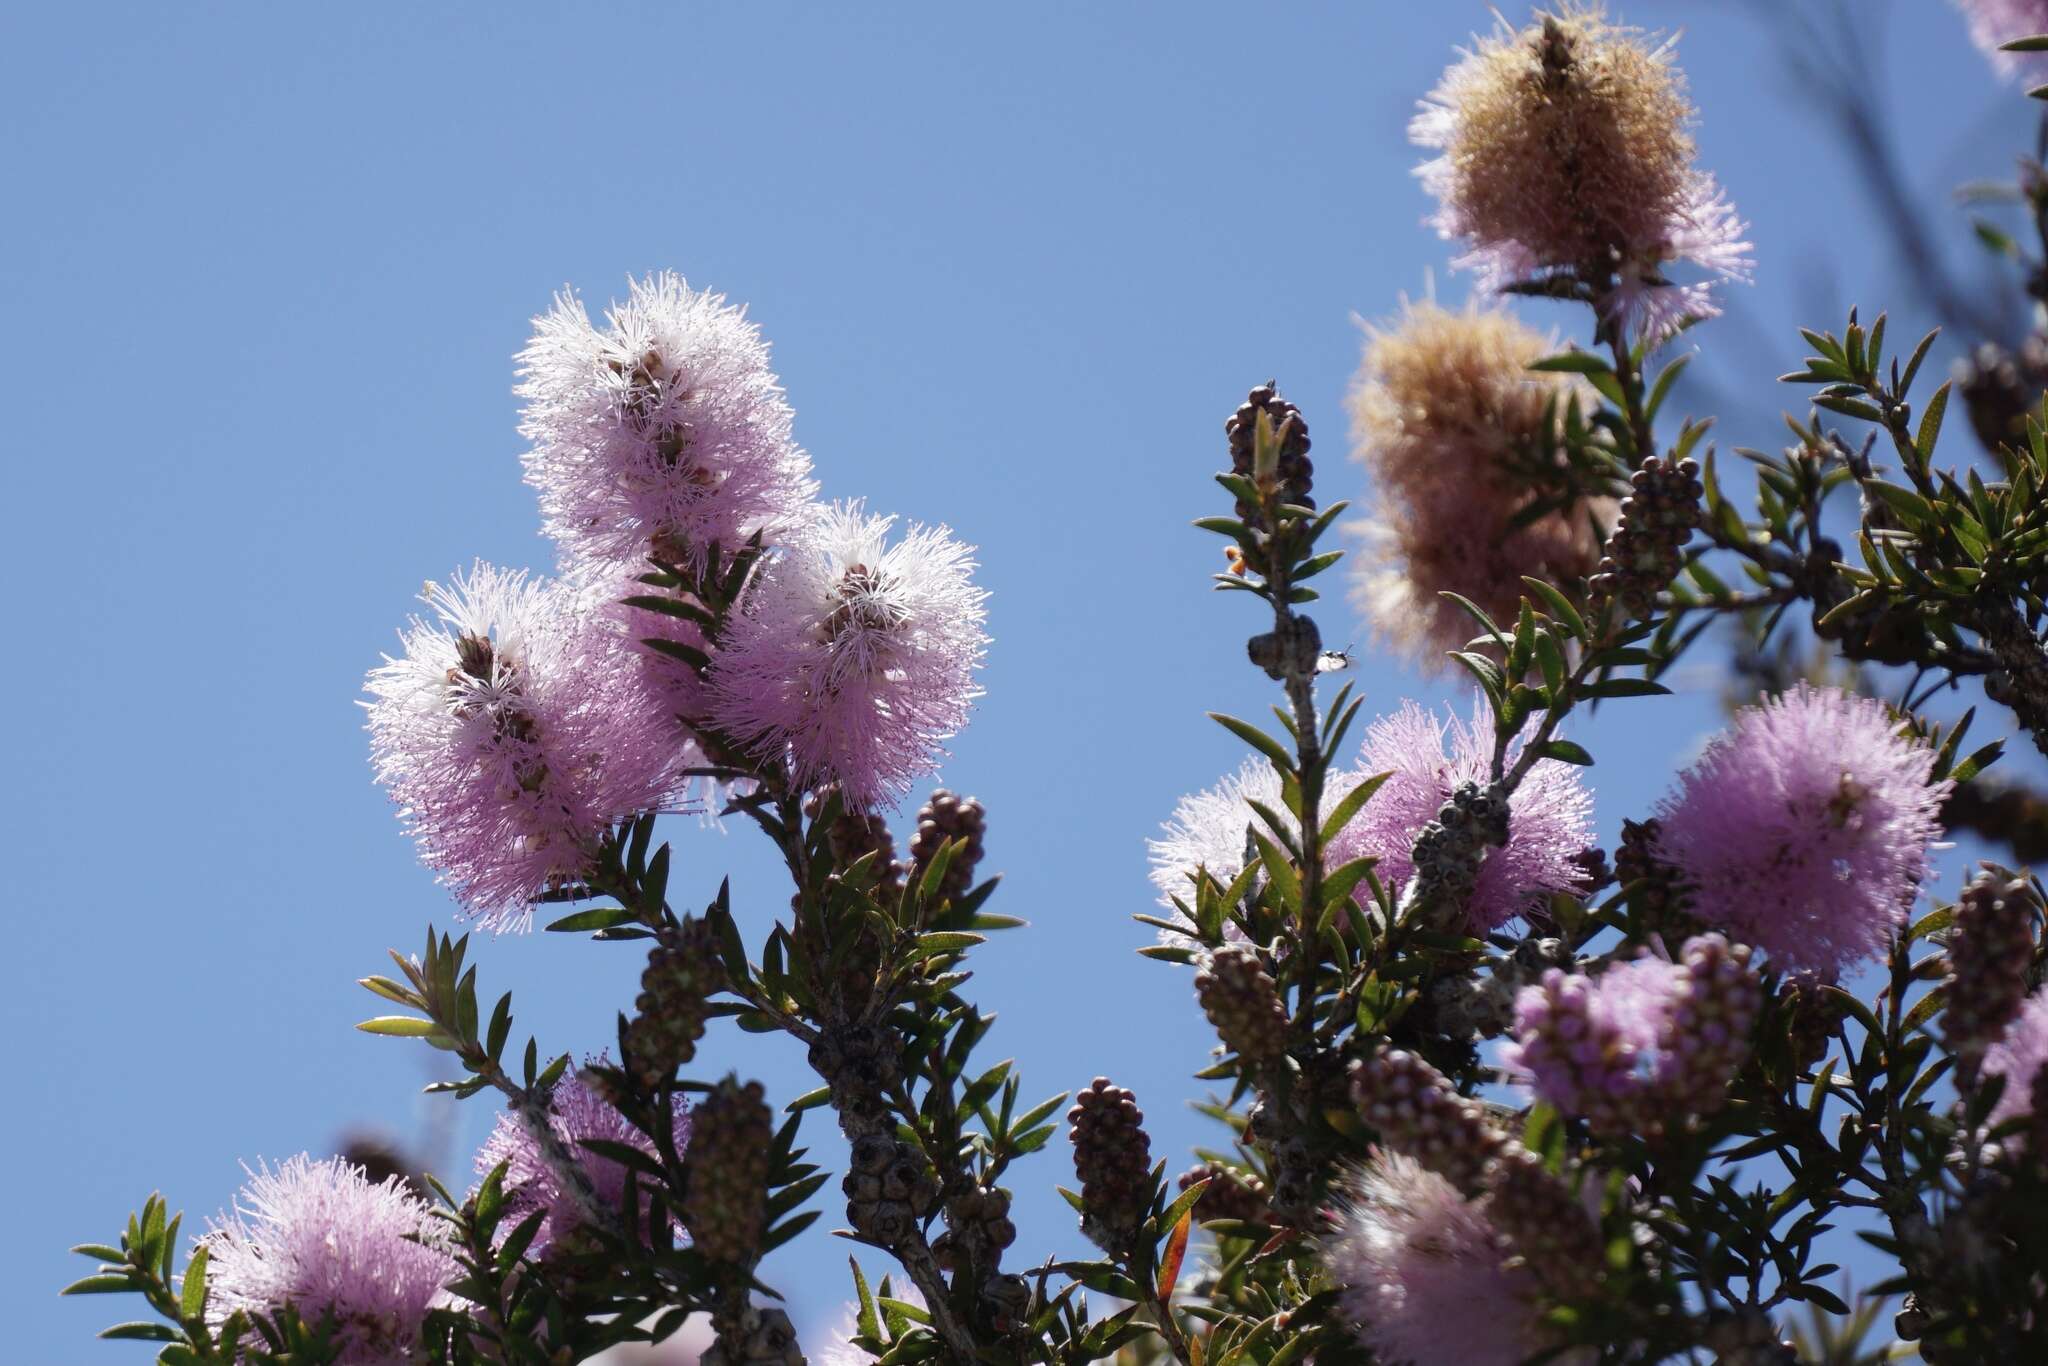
pixel 1427 759
pixel 2018 1058
pixel 325 1239
pixel 515 727
pixel 1993 22
pixel 1445 413
pixel 1423 1274
pixel 855 657
pixel 1645 1043
pixel 1565 147
pixel 660 434
pixel 576 1111
pixel 1805 828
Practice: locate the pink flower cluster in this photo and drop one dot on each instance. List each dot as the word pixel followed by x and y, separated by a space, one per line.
pixel 528 717
pixel 1643 1044
pixel 324 1239
pixel 855 658
pixel 1425 1276
pixel 515 727
pixel 1426 760
pixel 664 433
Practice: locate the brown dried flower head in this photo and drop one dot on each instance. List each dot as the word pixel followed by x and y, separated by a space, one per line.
pixel 1447 418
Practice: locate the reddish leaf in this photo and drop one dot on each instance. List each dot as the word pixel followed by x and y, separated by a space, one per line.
pixel 1176 1249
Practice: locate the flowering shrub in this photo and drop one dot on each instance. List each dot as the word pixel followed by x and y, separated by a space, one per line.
pixel 1492 1095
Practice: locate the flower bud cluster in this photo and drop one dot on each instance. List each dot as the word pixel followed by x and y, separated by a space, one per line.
pixel 949 817
pixel 1295 473
pixel 1811 1016
pixel 731 1142
pixel 1417 1112
pixel 853 834
pixel 1990 950
pixel 683 969
pixel 1644 553
pixel 1545 1220
pixel 1449 849
pixel 1659 894
pixel 1230 1194
pixel 1242 1002
pixel 1113 1157
pixel 889 1189
pixel 1644 1044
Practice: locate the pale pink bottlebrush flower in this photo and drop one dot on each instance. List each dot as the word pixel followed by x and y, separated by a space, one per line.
pixel 576 1112
pixel 1209 830
pixel 854 657
pixel 1643 1044
pixel 514 729
pixel 1993 22
pixel 1805 828
pixel 325 1239
pixel 1422 1273
pixel 2018 1057
pixel 1427 759
pixel 1564 147
pixel 660 434
pixel 839 1349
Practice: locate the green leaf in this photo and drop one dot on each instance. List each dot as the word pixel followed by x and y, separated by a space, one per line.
pixel 597 918
pixel 1930 422
pixel 946 941
pixel 1349 806
pixel 1626 687
pixel 1573 362
pixel 141 1332
pixel 399 1026
pixel 1567 751
pixel 192 1294
pixel 1662 388
pixel 1257 739
pixel 391 991
pixel 102 1285
pixel 674 649
pixel 1909 505
pixel 2033 43
pixel 1919 354
pixel 1559 605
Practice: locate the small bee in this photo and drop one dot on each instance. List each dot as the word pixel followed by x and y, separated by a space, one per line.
pixel 1329 661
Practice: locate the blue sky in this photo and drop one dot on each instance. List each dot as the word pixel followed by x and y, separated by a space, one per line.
pixel 267 266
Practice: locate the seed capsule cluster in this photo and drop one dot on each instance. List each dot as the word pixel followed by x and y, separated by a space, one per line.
pixel 949 817
pixel 889 1189
pixel 1644 553
pixel 1296 470
pixel 683 970
pixel 1113 1157
pixel 1242 1002
pixel 1990 950
pixel 1417 1112
pixel 732 1138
